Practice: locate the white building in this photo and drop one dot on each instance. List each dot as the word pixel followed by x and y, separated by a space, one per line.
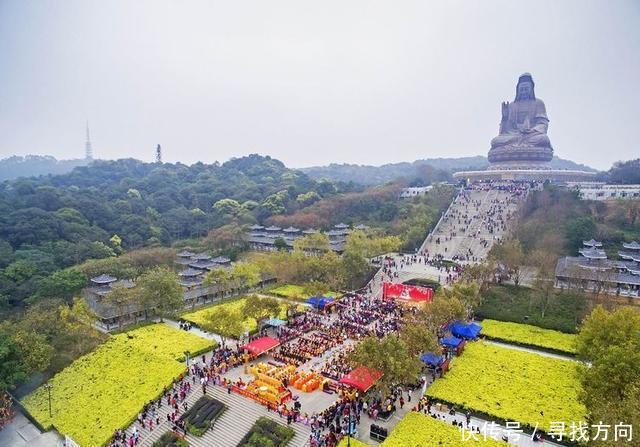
pixel 602 191
pixel 408 193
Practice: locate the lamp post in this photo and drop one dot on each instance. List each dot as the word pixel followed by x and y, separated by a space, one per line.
pixel 48 386
pixel 349 428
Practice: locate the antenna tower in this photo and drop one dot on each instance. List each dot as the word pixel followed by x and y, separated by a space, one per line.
pixel 88 150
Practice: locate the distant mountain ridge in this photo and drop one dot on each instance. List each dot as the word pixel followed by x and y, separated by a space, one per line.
pixel 373 175
pixel 36 165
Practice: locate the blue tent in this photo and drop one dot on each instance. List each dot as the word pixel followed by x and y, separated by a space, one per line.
pixel 450 342
pixel 463 330
pixel 275 322
pixel 319 301
pixel 432 359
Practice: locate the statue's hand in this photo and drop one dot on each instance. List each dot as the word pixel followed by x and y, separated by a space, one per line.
pixel 505 110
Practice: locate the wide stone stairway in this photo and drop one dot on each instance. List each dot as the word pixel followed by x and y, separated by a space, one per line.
pixel 241 413
pixel 478 217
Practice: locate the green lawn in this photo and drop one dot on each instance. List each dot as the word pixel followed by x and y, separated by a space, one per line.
pixel 512 385
pixel 250 324
pixel 525 334
pixel 520 305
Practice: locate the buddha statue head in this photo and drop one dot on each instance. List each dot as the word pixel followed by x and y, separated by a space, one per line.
pixel 526 88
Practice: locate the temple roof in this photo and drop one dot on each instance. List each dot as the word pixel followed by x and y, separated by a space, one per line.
pixel 201 257
pixel 185 254
pixel 190 272
pixel 273 228
pixel 256 227
pixel 593 253
pixel 103 279
pixel 633 245
pixel 203 264
pixel 221 260
pixel 592 243
pixel 310 231
pixel 291 230
pixel 341 226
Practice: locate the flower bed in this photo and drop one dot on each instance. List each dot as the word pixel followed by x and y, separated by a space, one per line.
pixel 512 385
pixel 106 389
pixel 527 335
pixel 290 291
pixel 295 292
pixel 170 439
pixel 250 324
pixel 418 429
pixel 266 432
pixel 200 416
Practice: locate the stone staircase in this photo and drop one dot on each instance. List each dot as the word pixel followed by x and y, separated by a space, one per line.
pixel 236 420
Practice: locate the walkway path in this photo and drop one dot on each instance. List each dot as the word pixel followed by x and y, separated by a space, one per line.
pixel 22 433
pixel 532 350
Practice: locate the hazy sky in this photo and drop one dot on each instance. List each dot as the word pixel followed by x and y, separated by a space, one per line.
pixel 314 82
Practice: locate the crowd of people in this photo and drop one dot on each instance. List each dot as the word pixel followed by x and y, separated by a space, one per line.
pixel 478 217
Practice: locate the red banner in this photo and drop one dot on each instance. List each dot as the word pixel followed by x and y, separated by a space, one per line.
pixel 404 292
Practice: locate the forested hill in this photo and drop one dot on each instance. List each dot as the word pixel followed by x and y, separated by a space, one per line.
pixel 35 165
pixel 427 170
pixel 51 222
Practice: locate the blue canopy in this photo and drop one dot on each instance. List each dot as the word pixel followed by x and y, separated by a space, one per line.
pixel 319 301
pixel 451 342
pixel 464 330
pixel 275 322
pixel 432 359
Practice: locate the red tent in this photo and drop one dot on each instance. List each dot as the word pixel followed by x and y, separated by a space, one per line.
pixel 261 345
pixel 362 378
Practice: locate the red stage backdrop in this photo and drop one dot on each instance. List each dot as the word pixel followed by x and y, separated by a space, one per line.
pixel 404 292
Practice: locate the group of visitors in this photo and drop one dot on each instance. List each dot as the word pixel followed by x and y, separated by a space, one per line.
pixel 174 398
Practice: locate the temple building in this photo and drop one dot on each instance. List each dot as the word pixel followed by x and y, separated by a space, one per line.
pixel 602 191
pixel 192 270
pixel 594 271
pixel 264 239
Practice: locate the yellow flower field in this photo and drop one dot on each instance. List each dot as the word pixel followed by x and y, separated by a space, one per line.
pixel 420 430
pixel 529 335
pixel 106 389
pixel 250 324
pixel 512 385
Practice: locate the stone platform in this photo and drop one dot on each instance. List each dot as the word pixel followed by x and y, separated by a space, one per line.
pixel 540 175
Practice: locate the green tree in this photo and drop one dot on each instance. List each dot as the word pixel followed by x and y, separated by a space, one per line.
pixel 280 244
pixel 12 368
pixel 511 255
pixel 222 277
pixel 418 338
pixel 315 243
pixel 390 356
pixel 260 308
pixel 159 289
pixel 77 332
pixel 121 298
pixel 224 322
pixel 35 350
pixel 610 342
pixel 63 284
pixel 246 274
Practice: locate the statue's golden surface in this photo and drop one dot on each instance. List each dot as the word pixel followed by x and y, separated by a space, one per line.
pixel 523 130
